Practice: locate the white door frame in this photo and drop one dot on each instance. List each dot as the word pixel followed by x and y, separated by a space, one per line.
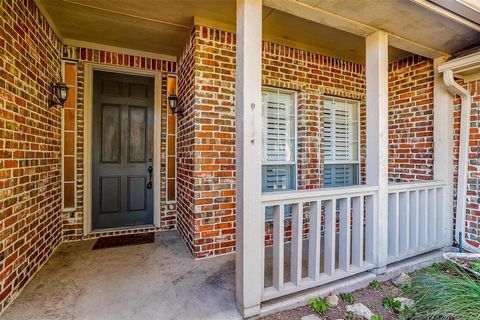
pixel 87 145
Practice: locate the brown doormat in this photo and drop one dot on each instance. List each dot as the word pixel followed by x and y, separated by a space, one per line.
pixel 124 240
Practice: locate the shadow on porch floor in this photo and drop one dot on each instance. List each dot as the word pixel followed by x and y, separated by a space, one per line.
pixel 151 281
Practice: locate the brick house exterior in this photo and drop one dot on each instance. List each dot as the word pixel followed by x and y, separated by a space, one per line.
pixel 32 222
pixel 206 153
pixel 472 229
pixel 411 119
pixel 73 220
pixel 30 146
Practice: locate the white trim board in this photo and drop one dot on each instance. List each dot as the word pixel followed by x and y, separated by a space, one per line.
pixel 466 67
pixel 87 152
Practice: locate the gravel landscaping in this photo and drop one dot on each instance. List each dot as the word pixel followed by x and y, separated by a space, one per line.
pixel 442 291
pixel 372 298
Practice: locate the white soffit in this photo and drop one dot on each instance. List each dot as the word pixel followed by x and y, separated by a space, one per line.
pixel 162 26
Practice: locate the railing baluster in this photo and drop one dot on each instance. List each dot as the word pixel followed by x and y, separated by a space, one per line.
pixel 440 215
pixel 416 223
pixel 371 230
pixel 278 246
pixel 264 209
pixel 330 226
pixel 357 231
pixel 393 221
pixel 404 221
pixel 344 240
pixel 423 218
pixel 296 247
pixel 314 242
pixel 432 216
pixel 413 220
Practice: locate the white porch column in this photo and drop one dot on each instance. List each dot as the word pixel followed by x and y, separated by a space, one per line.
pixel 249 256
pixel 377 142
pixel 443 146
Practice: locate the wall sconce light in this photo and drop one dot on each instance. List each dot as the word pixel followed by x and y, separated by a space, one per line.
pixel 172 95
pixel 59 94
pixel 173 104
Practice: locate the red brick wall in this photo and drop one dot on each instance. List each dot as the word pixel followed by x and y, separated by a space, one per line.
pixel 73 220
pixel 472 219
pixel 313 76
pixel 207 160
pixel 30 146
pixel 410 85
pixel 185 143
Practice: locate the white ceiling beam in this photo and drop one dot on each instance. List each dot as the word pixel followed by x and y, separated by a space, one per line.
pixel 318 15
pixel 414 47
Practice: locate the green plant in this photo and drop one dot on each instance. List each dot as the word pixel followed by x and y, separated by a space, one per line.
pixel 444 292
pixel 475 266
pixel 376 317
pixel 374 285
pixel 319 305
pixel 407 288
pixel 390 303
pixel 348 298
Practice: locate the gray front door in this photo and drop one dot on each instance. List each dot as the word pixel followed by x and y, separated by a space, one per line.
pixel 122 150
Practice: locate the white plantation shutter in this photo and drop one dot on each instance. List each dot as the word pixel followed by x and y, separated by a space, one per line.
pixel 336 175
pixel 343 134
pixel 341 137
pixel 279 140
pixel 328 129
pixel 277 178
pixel 277 122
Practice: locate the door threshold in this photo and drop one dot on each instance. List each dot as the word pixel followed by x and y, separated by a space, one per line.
pixel 149 227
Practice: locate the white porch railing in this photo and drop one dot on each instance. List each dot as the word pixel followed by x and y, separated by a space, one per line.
pixel 342 232
pixel 416 219
pixel 352 207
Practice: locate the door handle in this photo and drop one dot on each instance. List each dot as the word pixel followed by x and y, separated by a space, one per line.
pixel 150 170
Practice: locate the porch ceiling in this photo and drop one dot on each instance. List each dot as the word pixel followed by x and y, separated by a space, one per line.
pixel 406 19
pixel 161 26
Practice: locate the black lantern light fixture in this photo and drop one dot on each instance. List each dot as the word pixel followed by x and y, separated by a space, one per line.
pixel 173 104
pixel 172 95
pixel 59 94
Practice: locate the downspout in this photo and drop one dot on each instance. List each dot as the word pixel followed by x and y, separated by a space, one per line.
pixel 466 98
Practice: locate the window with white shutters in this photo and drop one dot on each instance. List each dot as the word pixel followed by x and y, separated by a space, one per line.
pixel 279 140
pixel 279 164
pixel 341 137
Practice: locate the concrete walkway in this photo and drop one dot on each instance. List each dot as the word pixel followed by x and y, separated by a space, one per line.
pixel 152 281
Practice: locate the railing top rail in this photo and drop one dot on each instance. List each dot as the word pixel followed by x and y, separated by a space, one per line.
pixel 273 198
pixel 404 186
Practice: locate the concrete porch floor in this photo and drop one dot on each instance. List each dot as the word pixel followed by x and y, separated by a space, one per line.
pixel 151 281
